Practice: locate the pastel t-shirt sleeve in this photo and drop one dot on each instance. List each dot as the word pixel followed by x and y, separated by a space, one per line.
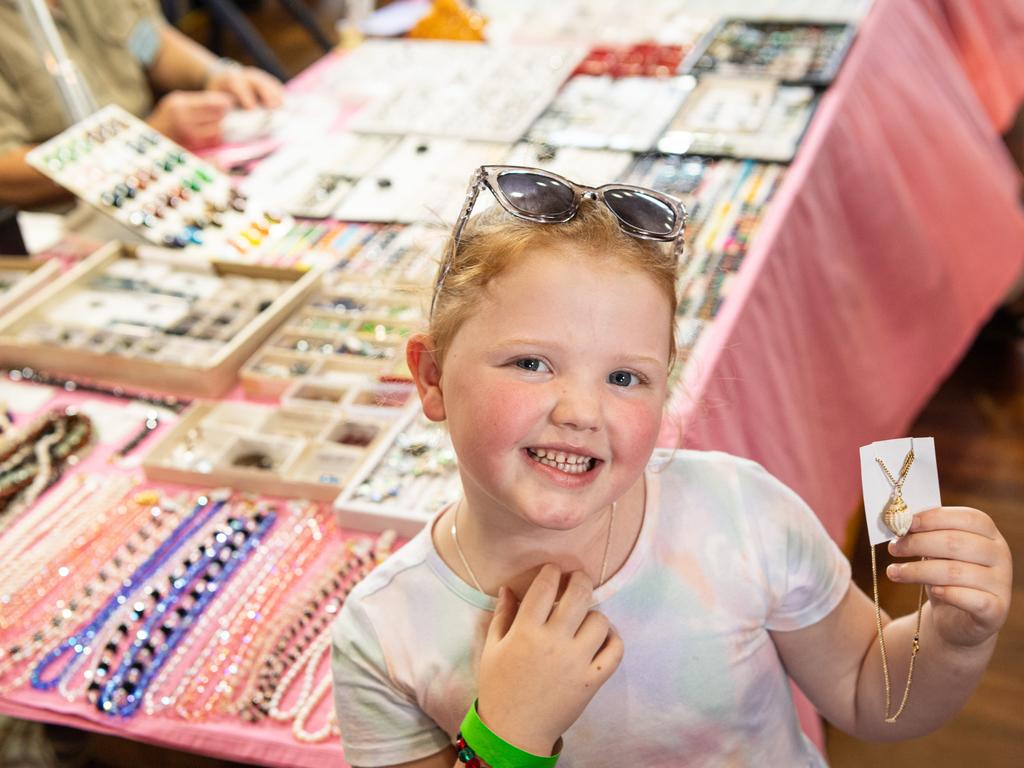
pixel 807 574
pixel 380 723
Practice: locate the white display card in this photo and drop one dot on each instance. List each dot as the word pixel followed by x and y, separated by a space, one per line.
pixel 920 489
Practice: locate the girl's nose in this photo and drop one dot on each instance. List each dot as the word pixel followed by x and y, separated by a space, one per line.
pixel 577 408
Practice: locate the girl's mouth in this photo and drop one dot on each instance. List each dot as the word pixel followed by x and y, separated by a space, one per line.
pixel 570 463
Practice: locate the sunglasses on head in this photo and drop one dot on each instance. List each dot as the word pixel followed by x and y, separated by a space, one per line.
pixel 534 194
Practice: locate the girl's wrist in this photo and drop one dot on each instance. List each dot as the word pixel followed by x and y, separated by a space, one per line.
pixel 478 745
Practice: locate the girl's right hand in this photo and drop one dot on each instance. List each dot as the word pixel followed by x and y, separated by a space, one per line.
pixel 542 663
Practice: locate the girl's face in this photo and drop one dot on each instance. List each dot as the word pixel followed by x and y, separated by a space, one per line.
pixel 554 387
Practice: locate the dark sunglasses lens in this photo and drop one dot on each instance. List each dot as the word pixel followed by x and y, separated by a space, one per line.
pixel 641 211
pixel 536 195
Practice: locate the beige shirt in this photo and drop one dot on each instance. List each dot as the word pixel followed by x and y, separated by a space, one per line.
pixel 111 41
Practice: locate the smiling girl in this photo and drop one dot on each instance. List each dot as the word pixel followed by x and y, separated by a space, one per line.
pixel 591 600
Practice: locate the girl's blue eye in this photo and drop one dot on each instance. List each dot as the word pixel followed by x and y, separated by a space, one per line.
pixel 533 364
pixel 623 379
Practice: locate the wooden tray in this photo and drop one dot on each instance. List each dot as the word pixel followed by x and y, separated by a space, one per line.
pixel 311 453
pixel 36 274
pixel 211 378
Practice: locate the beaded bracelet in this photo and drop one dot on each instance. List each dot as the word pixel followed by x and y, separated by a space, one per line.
pixel 499 753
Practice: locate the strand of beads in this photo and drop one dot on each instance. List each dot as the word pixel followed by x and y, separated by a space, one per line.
pixel 61 567
pixel 124 691
pixel 111 643
pixel 109 577
pixel 32 460
pixel 37 534
pixel 314 616
pixel 238 628
pixel 310 702
pixel 78 643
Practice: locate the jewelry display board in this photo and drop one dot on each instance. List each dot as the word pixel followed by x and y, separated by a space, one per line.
pixel 754 118
pixel 20 277
pixel 627 113
pixel 486 93
pixel 808 53
pixel 159 191
pixel 293 451
pixel 133 317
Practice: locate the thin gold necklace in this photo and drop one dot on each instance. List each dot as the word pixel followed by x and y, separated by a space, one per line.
pixel 476 581
pixel 898 520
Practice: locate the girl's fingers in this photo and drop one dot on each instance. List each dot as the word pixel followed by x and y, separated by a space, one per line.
pixel 540 597
pixel 946 573
pixel 947 545
pixel 607 659
pixel 984 606
pixel 955 518
pixel 573 604
pixel 593 633
pixel 504 614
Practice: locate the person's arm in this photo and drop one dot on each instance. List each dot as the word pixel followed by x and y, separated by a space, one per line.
pixel 181 64
pixel 23 186
pixel 837 661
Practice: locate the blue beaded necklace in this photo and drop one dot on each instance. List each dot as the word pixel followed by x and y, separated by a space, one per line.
pixel 81 640
pixel 132 693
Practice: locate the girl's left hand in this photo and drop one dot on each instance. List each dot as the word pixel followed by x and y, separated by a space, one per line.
pixel 968 571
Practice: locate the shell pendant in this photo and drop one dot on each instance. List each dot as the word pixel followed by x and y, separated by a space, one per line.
pixel 896 517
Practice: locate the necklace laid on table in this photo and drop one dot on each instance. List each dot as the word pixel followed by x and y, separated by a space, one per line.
pixel 476 581
pixel 898 519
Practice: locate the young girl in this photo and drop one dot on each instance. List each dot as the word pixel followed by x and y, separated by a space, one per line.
pixel 586 599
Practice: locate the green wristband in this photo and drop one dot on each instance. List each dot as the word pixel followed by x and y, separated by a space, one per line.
pixel 494 750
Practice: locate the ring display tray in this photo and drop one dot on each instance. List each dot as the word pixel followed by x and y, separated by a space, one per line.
pixel 291 451
pixel 138 317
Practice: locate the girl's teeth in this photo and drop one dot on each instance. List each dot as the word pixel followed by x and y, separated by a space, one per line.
pixel 569 463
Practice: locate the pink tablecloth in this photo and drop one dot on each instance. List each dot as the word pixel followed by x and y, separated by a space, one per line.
pixel 894 236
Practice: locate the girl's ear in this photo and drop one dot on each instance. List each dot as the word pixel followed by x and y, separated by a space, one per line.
pixel 422 362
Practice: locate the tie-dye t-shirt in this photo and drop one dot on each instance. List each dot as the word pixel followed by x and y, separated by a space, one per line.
pixel 725 554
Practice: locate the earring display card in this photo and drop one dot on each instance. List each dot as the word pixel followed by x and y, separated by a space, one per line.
pixel 920 489
pixel 741 117
pixel 456 90
pixel 19 277
pixel 725 201
pixel 422 180
pixel 584 166
pixel 626 113
pixel 126 317
pixel 310 179
pixel 281 451
pixel 794 52
pixel 354 328
pixel 161 192
pixel 406 483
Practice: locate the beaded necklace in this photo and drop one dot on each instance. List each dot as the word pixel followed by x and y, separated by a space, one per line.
pixel 237 643
pixel 79 642
pixel 64 570
pixel 95 591
pixel 171 403
pixel 124 626
pixel 313 617
pixel 32 460
pixel 123 694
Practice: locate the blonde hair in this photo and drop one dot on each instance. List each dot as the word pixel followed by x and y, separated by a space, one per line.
pixel 494 239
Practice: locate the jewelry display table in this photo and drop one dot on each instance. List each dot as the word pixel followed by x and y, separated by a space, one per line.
pixel 894 234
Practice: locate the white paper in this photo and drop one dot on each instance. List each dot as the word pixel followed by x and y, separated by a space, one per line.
pixel 920 489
